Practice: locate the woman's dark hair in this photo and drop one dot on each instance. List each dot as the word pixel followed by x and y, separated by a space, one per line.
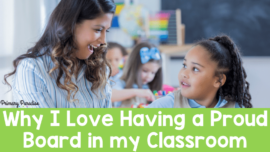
pixel 58 42
pixel 112 45
pixel 131 74
pixel 228 58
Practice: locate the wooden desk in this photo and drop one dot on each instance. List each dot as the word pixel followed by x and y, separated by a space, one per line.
pixel 175 49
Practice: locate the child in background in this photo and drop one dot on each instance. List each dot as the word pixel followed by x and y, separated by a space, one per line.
pixel 116 56
pixel 212 76
pixel 142 75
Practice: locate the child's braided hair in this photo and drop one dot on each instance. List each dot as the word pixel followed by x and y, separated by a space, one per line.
pixel 224 51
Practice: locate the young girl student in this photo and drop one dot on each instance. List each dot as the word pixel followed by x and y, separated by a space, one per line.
pixel 212 76
pixel 67 68
pixel 141 75
pixel 116 54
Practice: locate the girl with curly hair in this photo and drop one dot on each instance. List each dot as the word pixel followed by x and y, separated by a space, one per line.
pixel 67 68
pixel 212 76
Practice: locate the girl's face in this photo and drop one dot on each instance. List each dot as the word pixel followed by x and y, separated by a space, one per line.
pixel 149 71
pixel 91 33
pixel 197 77
pixel 114 56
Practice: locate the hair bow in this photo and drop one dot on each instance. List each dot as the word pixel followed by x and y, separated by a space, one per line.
pixel 148 54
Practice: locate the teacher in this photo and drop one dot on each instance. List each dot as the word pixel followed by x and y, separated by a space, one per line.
pixel 67 68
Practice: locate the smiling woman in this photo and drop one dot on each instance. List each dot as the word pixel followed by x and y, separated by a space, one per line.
pixel 91 38
pixel 68 62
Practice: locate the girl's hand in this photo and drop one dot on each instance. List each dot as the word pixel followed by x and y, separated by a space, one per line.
pixel 145 93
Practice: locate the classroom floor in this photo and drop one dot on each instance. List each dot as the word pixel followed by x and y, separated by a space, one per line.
pixel 257 68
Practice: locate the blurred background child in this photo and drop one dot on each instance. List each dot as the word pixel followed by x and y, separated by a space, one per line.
pixel 142 75
pixel 116 55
